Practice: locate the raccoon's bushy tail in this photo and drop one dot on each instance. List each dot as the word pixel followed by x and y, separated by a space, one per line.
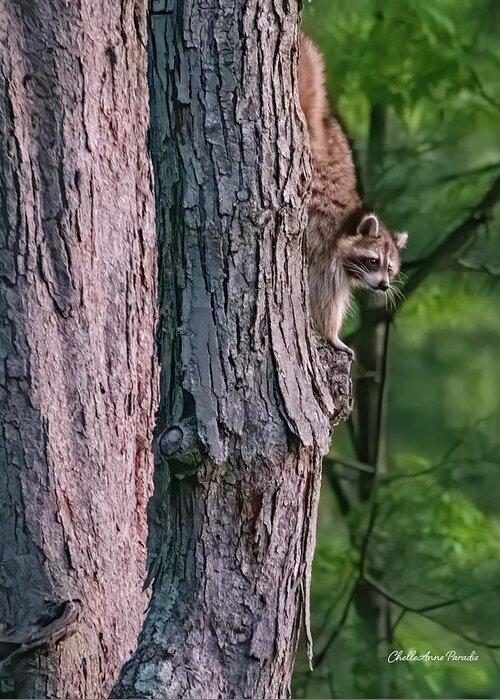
pixel 313 96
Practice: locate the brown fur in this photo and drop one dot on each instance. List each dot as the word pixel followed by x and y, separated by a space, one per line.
pixel 341 237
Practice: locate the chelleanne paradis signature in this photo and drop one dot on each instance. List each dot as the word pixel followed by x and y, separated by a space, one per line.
pixel 412 655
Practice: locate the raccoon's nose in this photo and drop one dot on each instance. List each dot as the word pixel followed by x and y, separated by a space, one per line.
pixel 383 285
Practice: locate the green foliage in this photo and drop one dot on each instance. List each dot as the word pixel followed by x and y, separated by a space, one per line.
pixel 431 531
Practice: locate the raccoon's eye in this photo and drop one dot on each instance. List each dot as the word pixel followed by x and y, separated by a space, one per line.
pixel 389 268
pixel 372 262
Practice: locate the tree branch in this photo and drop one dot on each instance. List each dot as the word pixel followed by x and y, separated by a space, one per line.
pixel 454 243
pixel 342 499
pixel 349 463
pixel 425 608
pixel 471 266
pixel 481 170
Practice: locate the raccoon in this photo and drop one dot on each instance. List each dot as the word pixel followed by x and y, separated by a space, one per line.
pixel 347 247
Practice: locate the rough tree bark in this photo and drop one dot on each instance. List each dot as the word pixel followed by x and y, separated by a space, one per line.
pixel 77 374
pixel 247 395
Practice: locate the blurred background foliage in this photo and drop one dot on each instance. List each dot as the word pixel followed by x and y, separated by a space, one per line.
pixel 408 553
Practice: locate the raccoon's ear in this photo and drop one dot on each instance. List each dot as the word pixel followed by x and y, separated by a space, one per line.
pixel 401 239
pixel 368 226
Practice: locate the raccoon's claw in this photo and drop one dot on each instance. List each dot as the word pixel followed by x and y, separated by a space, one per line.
pixel 339 345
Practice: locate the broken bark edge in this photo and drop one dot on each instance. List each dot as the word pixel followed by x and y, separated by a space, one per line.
pixel 337 364
pixel 47 635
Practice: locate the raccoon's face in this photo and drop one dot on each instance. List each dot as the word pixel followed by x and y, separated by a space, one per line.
pixel 370 253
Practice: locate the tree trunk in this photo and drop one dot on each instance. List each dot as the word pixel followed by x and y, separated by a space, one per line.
pixel 77 374
pixel 247 396
pixel 372 342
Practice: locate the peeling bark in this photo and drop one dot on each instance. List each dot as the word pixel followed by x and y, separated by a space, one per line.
pixel 232 520
pixel 77 374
